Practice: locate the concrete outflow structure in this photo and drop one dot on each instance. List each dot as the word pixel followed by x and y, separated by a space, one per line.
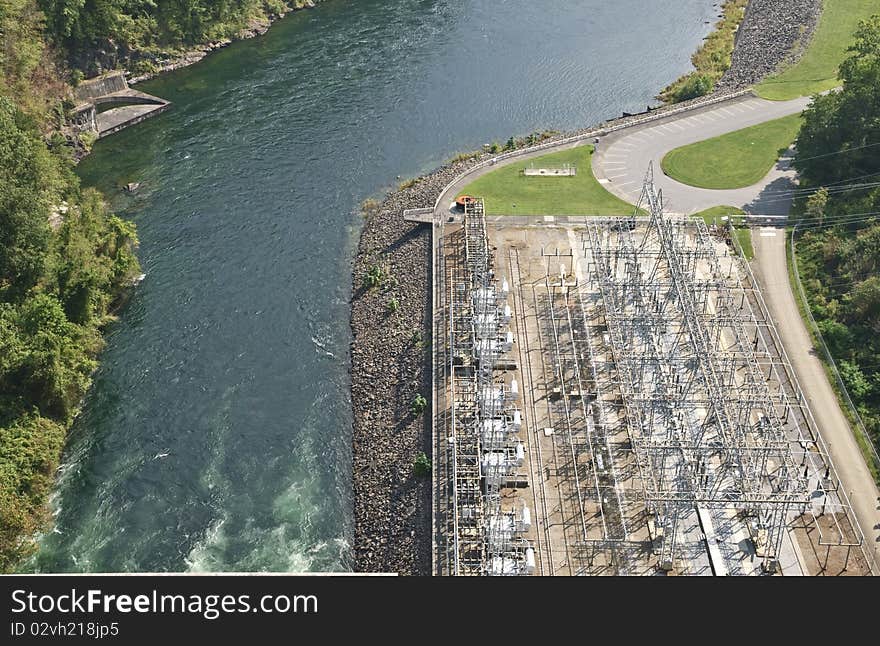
pixel 130 106
pixel 612 397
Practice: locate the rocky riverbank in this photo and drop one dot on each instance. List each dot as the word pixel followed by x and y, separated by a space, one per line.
pixel 390 365
pixel 256 27
pixel 773 34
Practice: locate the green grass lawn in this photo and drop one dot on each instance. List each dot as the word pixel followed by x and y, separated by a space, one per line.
pixel 507 192
pixel 744 235
pixel 817 70
pixel 734 160
pixel 714 214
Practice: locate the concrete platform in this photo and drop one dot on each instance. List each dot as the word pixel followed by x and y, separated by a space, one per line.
pixel 112 89
pixel 116 119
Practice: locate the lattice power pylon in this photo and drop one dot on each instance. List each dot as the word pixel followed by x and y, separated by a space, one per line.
pixel 710 432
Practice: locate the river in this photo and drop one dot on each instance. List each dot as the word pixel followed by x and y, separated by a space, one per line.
pixel 216 435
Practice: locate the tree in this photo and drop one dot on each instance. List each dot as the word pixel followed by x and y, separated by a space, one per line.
pixel 816 204
pixel 57 284
pixel 841 125
pixel 865 303
pixel 57 358
pixel 856 382
pixel 25 173
pixel 840 259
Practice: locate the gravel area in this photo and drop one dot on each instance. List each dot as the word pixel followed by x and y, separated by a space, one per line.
pixel 390 359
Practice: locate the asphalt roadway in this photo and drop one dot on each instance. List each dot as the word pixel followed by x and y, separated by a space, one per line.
pixel 771 271
pixel 623 157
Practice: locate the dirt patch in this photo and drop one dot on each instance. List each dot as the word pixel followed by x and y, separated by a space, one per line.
pixel 829 560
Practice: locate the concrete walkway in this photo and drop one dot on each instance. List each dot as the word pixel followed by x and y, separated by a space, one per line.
pixel 623 157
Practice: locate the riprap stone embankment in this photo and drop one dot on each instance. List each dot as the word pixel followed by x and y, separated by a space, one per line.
pixel 773 33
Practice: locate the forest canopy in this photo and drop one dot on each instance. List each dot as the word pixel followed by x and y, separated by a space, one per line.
pixel 86 29
pixel 838 154
pixel 65 264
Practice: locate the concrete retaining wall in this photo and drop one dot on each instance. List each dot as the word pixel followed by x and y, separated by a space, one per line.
pixel 101 86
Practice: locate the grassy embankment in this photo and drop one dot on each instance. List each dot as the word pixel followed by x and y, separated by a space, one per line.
pixel 733 160
pixel 507 191
pixel 712 59
pixel 817 70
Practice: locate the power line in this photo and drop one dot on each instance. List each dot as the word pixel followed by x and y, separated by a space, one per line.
pixel 831 188
pixel 834 220
pixel 837 152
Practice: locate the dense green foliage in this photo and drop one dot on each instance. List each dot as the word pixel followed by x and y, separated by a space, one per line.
pixel 712 59
pixel 422 465
pixel 57 288
pixel 27 70
pixel 419 404
pixel 64 264
pixel 83 28
pixel 839 249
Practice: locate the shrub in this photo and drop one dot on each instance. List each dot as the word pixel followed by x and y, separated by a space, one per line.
pixel 369 207
pixel 695 85
pixel 374 277
pixel 419 404
pixel 422 465
pixel 465 156
pixel 407 183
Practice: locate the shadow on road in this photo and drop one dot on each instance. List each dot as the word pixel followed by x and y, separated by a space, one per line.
pixel 776 197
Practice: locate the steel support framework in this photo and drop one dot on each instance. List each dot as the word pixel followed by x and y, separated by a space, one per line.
pixel 708 429
pixel 487 538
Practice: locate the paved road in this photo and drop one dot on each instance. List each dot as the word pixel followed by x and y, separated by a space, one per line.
pixel 623 157
pixel 772 272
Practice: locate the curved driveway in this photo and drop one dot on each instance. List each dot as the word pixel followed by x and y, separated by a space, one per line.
pixel 623 157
